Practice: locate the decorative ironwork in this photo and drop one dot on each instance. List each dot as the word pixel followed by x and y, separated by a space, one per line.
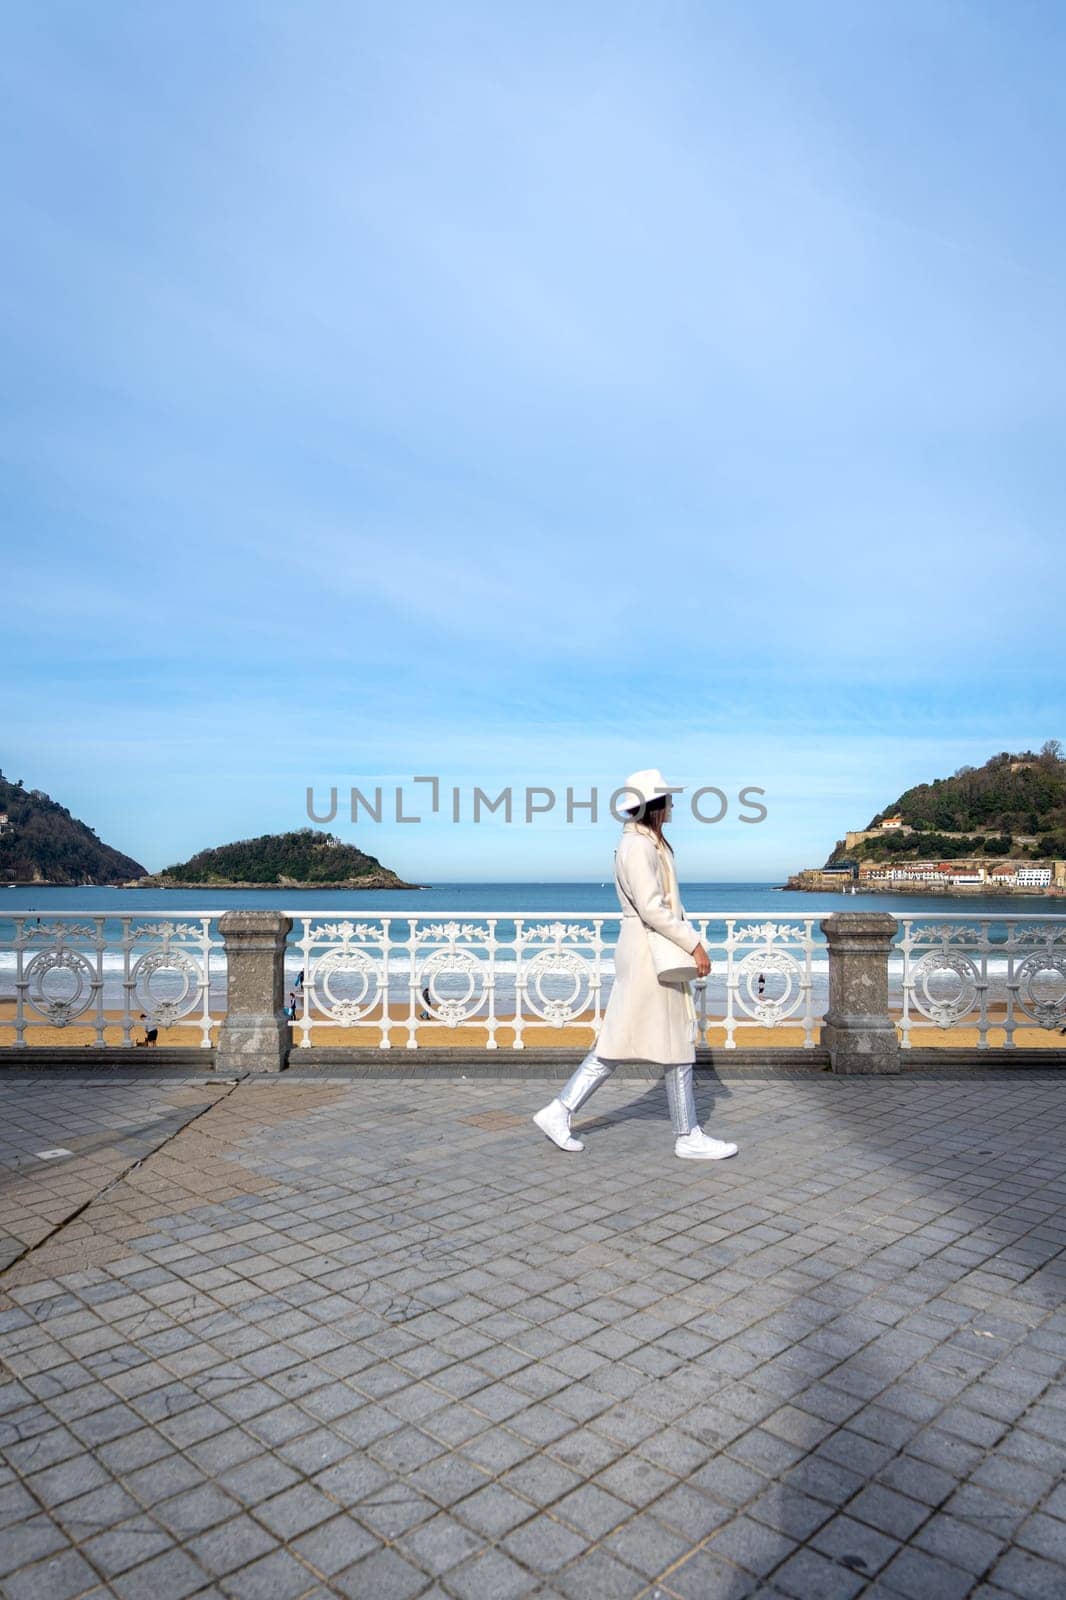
pixel 405 979
pixel 321 985
pixel 60 1009
pixel 945 1009
pixel 460 964
pixel 104 971
pixel 752 972
pixel 1048 1012
pixel 173 964
pixel 577 980
pixel 1001 966
pixel 562 933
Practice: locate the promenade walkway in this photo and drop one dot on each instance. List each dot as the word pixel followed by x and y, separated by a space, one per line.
pixel 315 1336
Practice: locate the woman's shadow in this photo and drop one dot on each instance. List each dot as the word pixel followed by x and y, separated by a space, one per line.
pixel 650 1102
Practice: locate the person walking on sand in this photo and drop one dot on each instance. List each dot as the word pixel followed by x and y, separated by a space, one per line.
pixel 646 1019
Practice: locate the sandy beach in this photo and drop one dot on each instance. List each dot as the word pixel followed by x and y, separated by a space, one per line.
pixel 472 1037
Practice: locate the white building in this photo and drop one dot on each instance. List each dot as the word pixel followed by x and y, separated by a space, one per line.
pixel 1033 877
pixel 963 874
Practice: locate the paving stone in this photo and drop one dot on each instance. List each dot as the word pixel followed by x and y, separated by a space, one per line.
pixel 59 1577
pixel 917 1575
pixel 703 1575
pixel 854 1544
pixel 196 1510
pixel 491 1573
pixel 353 1479
pixel 729 1481
pixel 277 1576
pixel 126 1545
pixel 751 1545
pixel 599 1576
pixel 231 1545
pixel 394 1509
pixel 334 1545
pixel 694 1514
pixel 258 1479
pixel 174 1574
pixel 385 1575
pixel 808 1574
pixel 545 1544
pixel 163 1479
pixel 295 1510
pixel 28 1542
pixel 591 1510
pixel 493 1510
pixel 647 1545
pixel 542 1480
pixel 894 1514
pixel 1020 1572
pixel 441 1543
pixel 68 1480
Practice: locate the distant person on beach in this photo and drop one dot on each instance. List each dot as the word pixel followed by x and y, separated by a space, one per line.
pixel 290 1009
pixel 151 1032
pixel 646 1019
pixel 762 984
pixel 427 1003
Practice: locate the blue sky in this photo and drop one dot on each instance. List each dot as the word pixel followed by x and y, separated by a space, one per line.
pixel 527 395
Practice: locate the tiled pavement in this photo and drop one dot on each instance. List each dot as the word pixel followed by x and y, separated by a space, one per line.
pixel 380 1339
pixel 106 1125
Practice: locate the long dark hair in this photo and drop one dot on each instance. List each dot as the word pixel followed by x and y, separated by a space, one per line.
pixel 653 815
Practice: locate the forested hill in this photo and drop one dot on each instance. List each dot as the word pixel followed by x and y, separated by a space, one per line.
pixel 40 842
pixel 304 857
pixel 1015 803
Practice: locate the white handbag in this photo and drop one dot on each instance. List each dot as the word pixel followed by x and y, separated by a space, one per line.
pixel 671 963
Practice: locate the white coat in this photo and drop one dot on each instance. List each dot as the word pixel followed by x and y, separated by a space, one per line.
pixel 646 1020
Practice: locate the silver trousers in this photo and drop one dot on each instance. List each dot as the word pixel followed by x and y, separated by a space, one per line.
pixel 593 1071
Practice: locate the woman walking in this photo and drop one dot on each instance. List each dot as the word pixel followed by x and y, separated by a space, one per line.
pixel 646 1019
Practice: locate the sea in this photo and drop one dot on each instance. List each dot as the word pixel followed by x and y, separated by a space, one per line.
pixel 472 899
pixel 754 901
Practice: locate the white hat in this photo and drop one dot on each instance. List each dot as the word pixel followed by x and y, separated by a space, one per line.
pixel 649 784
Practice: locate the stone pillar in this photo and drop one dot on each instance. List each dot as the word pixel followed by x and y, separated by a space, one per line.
pixel 254 1036
pixel 857 1029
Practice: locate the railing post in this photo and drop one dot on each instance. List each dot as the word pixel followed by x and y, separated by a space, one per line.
pixel 254 1036
pixel 857 1029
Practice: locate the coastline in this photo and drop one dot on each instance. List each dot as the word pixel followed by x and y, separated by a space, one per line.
pixel 962 891
pixel 271 888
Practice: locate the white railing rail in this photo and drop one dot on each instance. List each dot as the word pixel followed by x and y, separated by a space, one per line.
pixel 989 973
pixel 103 971
pixel 426 975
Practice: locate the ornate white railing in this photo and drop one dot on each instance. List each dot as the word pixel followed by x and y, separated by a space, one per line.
pixel 986 973
pixel 102 972
pixel 424 976
pixel 412 981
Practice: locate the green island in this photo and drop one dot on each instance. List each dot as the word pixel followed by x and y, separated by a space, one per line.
pixel 306 858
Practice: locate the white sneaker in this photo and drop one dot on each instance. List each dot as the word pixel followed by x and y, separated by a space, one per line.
pixel 699 1146
pixel 554 1120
